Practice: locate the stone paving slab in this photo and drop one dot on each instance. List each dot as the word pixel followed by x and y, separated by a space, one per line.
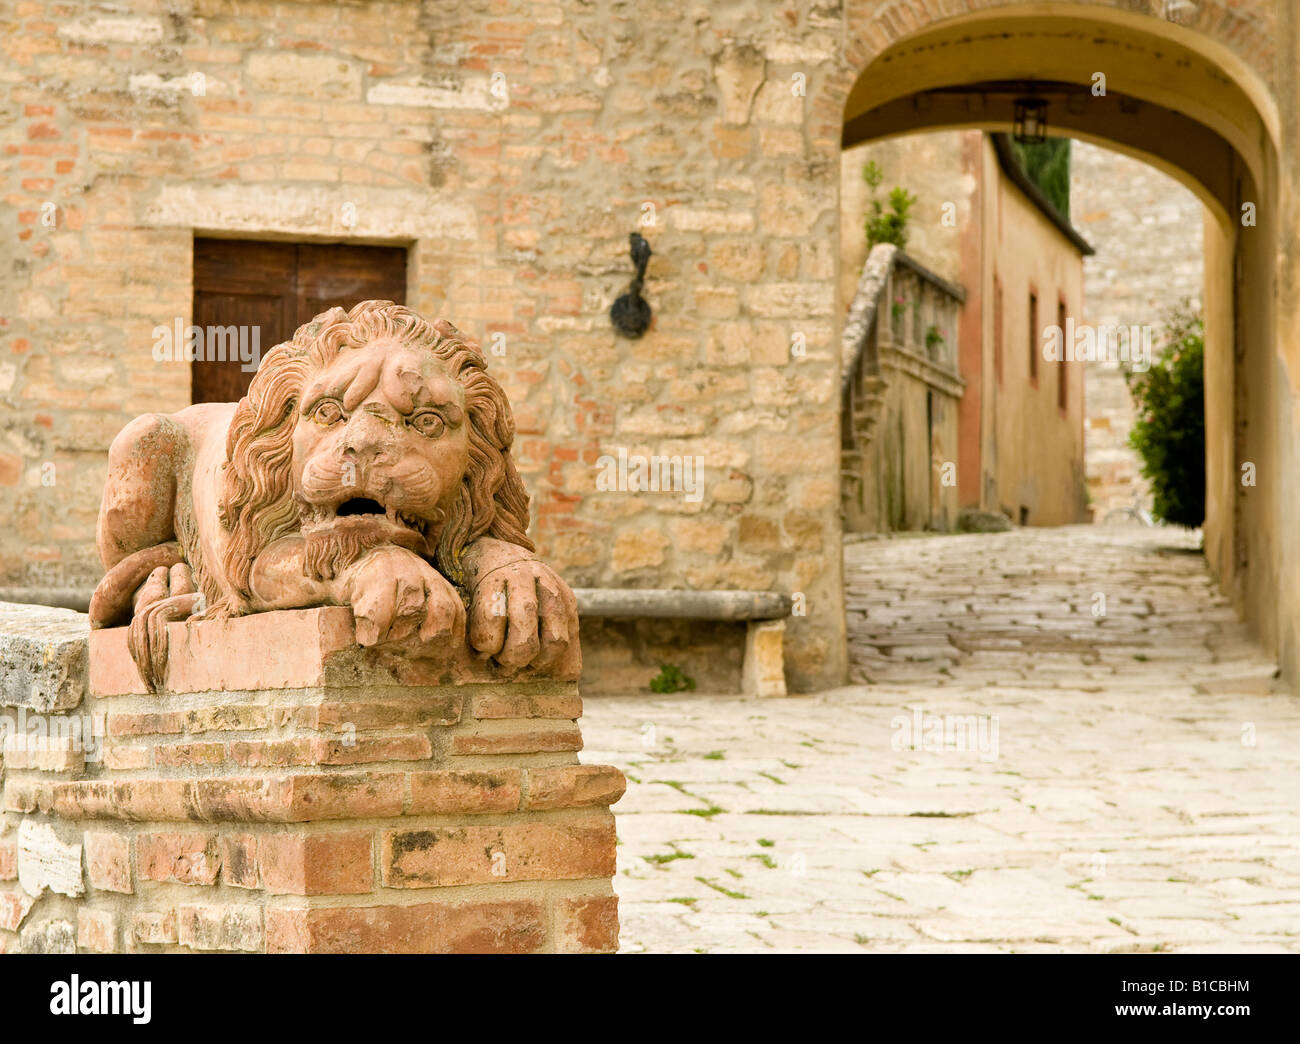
pixel 1140 794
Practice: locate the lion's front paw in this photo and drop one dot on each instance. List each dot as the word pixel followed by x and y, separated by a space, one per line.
pixel 523 614
pixel 146 638
pixel 166 596
pixel 395 594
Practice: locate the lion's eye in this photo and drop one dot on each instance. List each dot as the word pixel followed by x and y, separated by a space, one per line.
pixel 327 412
pixel 429 424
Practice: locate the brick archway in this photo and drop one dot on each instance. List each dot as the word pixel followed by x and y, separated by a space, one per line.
pixel 1244 30
pixel 1209 66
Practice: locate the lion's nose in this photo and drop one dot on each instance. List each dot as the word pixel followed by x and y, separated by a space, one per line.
pixel 366 440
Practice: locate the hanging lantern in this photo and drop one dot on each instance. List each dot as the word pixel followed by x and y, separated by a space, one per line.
pixel 1031 121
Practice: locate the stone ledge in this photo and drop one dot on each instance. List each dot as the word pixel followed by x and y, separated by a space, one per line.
pixel 42 657
pixel 671 604
pixel 292 649
pixel 312 796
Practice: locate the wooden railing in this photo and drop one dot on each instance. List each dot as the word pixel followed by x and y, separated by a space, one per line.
pixel 902 325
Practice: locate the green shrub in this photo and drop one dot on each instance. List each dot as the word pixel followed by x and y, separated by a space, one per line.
pixel 670 679
pixel 1169 433
pixel 886 226
pixel 1048 166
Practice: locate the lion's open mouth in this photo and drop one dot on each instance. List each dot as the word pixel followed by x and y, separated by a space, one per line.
pixel 362 514
pixel 365 508
pixel 339 534
pixel 360 506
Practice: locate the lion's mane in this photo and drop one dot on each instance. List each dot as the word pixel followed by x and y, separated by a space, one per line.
pixel 257 505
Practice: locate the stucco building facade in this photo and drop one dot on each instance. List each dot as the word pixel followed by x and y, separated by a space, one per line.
pixel 1017 431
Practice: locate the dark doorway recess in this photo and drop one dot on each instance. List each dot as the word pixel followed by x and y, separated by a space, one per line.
pixel 276 287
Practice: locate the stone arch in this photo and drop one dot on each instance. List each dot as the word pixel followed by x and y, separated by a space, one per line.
pixel 1203 99
pixel 1202 87
pixel 1241 33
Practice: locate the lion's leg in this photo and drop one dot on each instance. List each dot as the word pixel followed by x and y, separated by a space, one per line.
pixel 139 504
pixel 136 531
pixel 117 593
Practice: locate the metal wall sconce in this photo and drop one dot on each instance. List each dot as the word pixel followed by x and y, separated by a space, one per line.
pixel 1030 121
pixel 630 314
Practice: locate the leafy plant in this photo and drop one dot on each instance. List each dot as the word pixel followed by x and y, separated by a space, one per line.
pixel 1048 166
pixel 886 226
pixel 671 679
pixel 1169 433
pixel 933 337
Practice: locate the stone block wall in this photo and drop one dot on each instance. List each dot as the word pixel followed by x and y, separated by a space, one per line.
pixel 288 794
pixel 512 149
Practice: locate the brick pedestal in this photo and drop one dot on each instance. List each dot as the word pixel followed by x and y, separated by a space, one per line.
pixel 292 793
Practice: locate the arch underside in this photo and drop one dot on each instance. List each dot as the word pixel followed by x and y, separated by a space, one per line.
pixel 1177 145
pixel 1166 100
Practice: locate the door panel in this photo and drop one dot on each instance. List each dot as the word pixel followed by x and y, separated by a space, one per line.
pixel 274 288
pixel 242 265
pixel 260 324
pixel 332 275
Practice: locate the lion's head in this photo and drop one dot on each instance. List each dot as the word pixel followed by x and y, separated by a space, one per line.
pixel 370 427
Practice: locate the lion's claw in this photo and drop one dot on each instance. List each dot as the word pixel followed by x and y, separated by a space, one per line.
pixel 147 636
pixel 395 595
pixel 523 615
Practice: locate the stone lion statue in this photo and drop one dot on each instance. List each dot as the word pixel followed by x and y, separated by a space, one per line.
pixel 368 466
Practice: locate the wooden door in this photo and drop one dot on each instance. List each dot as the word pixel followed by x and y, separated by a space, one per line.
pixel 273 288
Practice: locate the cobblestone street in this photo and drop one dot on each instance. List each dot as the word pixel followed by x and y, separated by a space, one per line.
pixel 1129 780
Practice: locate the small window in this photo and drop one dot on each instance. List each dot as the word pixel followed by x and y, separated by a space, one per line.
pixel 1033 336
pixel 997 328
pixel 1063 368
pixel 250 295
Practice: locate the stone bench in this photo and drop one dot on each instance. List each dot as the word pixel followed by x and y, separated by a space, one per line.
pixel 763 612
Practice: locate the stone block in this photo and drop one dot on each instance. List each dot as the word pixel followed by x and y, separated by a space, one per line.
pixel 47 861
pixel 108 861
pixel 738 71
pixel 504 926
pixel 313 76
pixel 54 936
pixel 587 924
pixel 247 849
pixel 43 657
pixel 763 673
pixel 97 930
pixel 289 649
pixel 220 927
pixel 154 927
